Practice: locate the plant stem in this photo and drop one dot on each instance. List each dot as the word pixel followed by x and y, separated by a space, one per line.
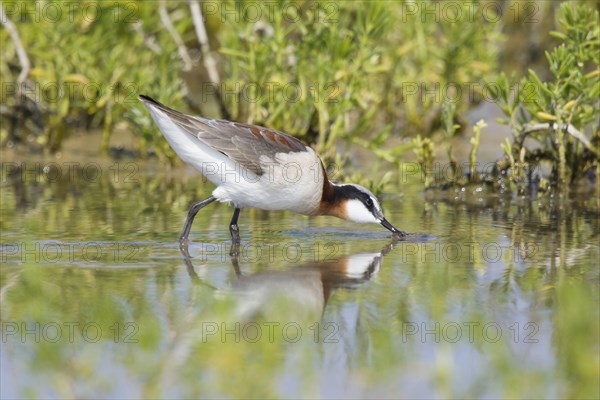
pixel 20 49
pixel 166 21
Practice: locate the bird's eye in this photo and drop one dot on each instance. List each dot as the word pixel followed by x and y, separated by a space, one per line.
pixel 369 203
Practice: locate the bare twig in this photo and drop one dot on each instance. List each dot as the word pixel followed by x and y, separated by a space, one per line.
pixel 21 52
pixel 209 61
pixel 166 21
pixel 148 40
pixel 571 130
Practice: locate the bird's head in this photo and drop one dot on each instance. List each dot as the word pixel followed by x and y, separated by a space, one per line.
pixel 357 204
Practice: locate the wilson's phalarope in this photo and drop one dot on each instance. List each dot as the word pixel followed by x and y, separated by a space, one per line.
pixel 261 168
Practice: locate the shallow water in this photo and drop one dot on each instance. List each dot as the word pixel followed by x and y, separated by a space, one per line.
pixel 487 298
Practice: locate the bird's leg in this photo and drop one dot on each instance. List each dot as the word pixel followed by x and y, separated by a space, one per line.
pixel 234 229
pixel 233 253
pixel 183 238
pixel 234 249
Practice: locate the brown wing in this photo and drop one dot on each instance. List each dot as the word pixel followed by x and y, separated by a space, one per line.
pixel 241 142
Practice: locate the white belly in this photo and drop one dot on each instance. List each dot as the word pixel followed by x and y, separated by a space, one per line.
pixel 293 181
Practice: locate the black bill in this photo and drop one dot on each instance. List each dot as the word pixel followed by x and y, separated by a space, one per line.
pixel 384 222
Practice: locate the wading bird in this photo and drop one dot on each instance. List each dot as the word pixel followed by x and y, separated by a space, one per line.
pixel 261 168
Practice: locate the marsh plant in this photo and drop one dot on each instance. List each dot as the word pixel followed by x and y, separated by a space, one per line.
pixel 359 73
pixel 84 71
pixel 556 121
pixel 373 74
pixel 325 71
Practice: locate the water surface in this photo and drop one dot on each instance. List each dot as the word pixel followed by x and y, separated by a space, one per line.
pixel 491 297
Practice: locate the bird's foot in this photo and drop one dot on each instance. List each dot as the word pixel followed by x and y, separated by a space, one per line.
pixel 183 247
pixel 399 235
pixel 235 233
pixel 234 250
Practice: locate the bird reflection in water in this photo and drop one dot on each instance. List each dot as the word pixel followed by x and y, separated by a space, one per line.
pixel 299 293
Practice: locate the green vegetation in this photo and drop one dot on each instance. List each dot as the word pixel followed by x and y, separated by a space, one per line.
pixel 373 74
pixel 86 71
pixel 561 114
pixel 94 245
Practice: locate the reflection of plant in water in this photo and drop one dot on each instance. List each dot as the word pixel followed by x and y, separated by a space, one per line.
pixel 544 276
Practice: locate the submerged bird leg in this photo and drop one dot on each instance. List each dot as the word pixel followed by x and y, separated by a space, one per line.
pixel 183 238
pixel 233 226
pixel 234 250
pixel 233 254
